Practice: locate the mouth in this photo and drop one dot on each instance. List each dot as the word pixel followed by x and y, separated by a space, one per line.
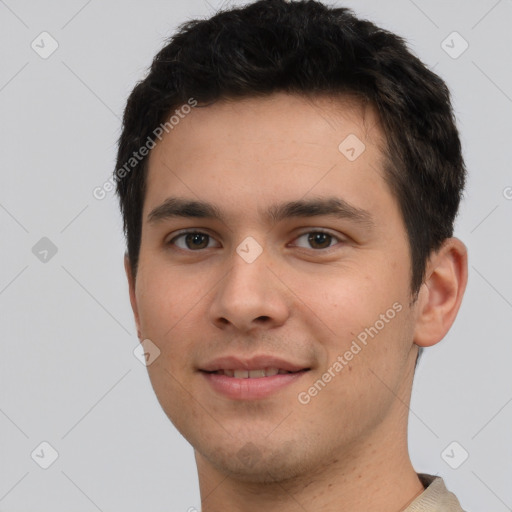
pixel 254 374
pixel 251 379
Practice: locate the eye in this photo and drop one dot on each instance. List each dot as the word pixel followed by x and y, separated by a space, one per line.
pixel 317 240
pixel 192 241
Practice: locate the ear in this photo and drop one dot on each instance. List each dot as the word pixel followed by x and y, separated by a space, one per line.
pixel 440 296
pixel 133 300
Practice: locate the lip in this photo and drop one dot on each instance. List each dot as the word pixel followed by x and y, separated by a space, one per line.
pixel 251 389
pixel 254 363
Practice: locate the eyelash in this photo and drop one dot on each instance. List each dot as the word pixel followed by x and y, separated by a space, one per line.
pixel 195 232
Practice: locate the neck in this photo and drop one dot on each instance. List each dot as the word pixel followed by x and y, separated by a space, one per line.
pixel 375 476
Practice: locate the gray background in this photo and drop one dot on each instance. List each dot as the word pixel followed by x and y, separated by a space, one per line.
pixel 68 373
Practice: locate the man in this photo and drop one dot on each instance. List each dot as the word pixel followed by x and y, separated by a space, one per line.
pixel 289 177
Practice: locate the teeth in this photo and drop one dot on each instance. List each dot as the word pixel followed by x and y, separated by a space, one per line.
pixel 252 374
pixel 256 374
pixel 271 371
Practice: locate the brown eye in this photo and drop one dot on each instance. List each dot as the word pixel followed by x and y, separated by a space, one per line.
pixel 196 240
pixel 317 240
pixel 192 241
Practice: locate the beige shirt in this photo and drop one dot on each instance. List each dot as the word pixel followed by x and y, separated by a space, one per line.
pixel 435 497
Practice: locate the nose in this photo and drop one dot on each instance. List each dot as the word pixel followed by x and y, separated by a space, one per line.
pixel 250 296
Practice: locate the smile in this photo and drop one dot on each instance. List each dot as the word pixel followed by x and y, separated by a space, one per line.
pixel 252 374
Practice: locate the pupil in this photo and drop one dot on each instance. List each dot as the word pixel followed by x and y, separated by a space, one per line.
pixel 322 239
pixel 197 240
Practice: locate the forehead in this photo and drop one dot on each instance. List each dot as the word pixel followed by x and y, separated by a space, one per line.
pixel 283 117
pixel 259 150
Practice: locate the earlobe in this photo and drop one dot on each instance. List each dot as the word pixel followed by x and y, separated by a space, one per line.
pixel 133 300
pixel 441 294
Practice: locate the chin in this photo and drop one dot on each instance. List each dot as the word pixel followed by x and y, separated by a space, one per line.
pixel 259 464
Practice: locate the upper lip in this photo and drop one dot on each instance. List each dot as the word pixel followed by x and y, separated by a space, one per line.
pixel 253 363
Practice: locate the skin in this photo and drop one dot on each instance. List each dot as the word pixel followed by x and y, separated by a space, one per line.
pixel 347 448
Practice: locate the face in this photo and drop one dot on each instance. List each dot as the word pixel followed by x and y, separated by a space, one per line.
pixel 295 262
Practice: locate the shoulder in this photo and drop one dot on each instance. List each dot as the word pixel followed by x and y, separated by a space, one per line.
pixel 435 498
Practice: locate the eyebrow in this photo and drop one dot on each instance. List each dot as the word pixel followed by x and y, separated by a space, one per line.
pixel 174 207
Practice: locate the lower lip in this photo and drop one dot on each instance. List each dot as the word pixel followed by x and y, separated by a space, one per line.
pixel 250 389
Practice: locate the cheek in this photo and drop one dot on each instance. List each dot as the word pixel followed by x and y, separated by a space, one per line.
pixel 349 300
pixel 363 363
pixel 361 317
pixel 167 304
